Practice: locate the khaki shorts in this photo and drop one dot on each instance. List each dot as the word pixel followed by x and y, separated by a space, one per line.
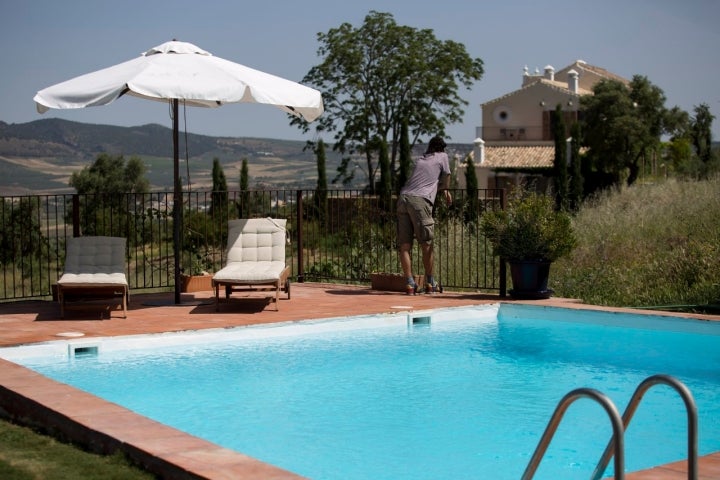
pixel 415 219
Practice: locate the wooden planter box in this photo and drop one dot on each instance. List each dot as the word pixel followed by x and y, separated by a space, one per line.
pixel 196 283
pixel 391 282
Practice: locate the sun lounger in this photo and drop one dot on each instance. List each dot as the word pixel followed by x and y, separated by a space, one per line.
pixel 94 269
pixel 255 258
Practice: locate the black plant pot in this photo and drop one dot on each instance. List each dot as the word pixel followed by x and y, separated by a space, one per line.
pixel 530 280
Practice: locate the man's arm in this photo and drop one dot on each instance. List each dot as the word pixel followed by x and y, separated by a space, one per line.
pixel 444 185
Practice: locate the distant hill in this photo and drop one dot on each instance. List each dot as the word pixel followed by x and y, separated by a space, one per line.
pixel 62 138
pixel 40 156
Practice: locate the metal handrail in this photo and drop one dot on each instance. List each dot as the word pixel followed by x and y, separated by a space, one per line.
pixel 635 400
pixel 617 425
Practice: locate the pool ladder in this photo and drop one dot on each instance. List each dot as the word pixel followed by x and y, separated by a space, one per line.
pixel 616 446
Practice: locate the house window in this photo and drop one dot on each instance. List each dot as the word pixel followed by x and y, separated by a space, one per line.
pixel 501 114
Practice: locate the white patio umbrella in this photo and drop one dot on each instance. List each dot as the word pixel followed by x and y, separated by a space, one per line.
pixel 177 72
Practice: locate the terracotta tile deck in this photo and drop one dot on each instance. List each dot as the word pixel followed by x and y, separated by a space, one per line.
pixel 169 453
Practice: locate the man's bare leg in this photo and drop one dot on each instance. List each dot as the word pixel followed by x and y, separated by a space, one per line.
pixel 427 255
pixel 406 264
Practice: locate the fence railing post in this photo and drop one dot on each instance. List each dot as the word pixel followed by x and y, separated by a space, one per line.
pixel 299 237
pixel 503 263
pixel 76 215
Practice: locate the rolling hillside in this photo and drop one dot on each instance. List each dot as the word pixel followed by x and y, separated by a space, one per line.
pixel 39 156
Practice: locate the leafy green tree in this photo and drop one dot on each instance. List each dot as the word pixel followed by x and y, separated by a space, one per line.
pixel 199 232
pixel 111 175
pixel 21 238
pixel 677 122
pixel 260 203
pixel 380 74
pixel 680 158
pixel 105 208
pixel 622 124
pixel 609 125
pixel 560 173
pixel 219 195
pixel 649 105
pixel 701 126
pixel 701 134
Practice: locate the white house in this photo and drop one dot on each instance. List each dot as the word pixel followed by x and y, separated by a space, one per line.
pixel 515 141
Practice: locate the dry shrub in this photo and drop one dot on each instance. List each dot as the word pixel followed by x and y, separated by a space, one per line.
pixel 646 245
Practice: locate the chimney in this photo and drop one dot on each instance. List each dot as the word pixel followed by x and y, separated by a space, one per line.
pixel 479 151
pixel 573 81
pixel 549 72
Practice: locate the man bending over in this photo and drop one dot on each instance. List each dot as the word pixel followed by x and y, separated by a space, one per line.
pixel 414 210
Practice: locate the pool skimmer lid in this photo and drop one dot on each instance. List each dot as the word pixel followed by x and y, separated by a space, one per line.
pixel 70 334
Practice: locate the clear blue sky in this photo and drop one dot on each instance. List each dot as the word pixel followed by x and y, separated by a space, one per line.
pixel 43 42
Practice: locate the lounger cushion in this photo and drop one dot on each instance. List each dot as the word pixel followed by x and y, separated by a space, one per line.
pixel 250 272
pixel 255 258
pixel 256 240
pixel 94 261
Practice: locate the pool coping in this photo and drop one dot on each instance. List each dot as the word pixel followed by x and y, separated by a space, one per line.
pixel 104 427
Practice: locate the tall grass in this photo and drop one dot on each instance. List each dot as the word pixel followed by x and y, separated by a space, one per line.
pixel 646 245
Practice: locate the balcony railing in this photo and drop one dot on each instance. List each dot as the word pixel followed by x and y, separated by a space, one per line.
pixel 529 133
pixel 334 236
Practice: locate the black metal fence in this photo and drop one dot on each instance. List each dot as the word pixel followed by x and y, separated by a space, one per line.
pixel 334 236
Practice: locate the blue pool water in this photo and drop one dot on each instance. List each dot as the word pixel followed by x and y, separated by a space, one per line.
pixel 466 395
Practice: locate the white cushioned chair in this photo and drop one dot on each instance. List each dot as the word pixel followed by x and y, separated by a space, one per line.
pixel 94 268
pixel 255 258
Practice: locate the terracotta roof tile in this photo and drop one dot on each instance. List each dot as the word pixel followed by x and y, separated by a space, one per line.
pixel 597 70
pixel 539 83
pixel 519 156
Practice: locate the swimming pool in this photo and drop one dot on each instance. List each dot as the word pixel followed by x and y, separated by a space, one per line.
pixel 460 393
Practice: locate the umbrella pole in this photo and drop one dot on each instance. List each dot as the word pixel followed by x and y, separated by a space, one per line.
pixel 177 200
pixel 177 215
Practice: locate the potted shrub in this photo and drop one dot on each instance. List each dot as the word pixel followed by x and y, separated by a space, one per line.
pixel 529 234
pixel 195 277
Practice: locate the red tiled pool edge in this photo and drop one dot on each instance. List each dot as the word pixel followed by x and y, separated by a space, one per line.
pixel 708 469
pixel 29 398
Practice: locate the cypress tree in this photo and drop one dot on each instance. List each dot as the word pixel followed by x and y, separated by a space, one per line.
pixel 385 174
pixel 219 195
pixel 471 189
pixel 560 173
pixel 576 191
pixel 405 157
pixel 243 206
pixel 321 190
